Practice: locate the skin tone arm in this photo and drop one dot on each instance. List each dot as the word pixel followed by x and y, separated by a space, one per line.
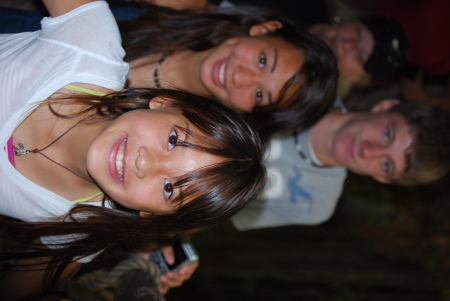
pixel 60 7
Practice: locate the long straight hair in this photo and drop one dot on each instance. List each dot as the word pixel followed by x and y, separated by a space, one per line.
pixel 161 29
pixel 215 192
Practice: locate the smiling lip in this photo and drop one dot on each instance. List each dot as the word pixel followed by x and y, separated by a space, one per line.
pixel 219 73
pixel 117 160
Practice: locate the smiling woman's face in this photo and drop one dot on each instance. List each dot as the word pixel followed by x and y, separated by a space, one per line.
pixel 135 160
pixel 249 72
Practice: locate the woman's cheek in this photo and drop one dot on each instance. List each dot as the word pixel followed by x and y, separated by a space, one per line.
pixel 242 101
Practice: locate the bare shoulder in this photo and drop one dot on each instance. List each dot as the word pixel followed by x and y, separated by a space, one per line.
pixel 60 7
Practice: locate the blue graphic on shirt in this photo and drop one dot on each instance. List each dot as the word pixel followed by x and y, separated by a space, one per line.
pixel 297 190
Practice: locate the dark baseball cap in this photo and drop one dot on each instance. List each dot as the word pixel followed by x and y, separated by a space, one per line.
pixel 391 46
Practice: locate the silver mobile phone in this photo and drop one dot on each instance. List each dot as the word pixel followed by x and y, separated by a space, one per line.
pixel 184 253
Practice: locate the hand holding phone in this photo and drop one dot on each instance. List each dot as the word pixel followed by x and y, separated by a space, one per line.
pixel 184 254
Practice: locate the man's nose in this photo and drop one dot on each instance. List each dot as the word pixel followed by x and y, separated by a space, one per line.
pixel 371 150
pixel 244 76
pixel 349 43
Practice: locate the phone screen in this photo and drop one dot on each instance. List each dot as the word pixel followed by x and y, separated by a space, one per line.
pixel 179 253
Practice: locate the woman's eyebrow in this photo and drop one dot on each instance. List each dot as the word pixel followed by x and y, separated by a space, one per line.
pixel 275 60
pixel 274 65
pixel 186 124
pixel 186 138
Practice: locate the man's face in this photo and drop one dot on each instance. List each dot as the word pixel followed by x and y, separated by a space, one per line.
pixel 374 144
pixel 352 44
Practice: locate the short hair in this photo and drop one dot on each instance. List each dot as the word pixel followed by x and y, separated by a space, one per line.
pixel 428 158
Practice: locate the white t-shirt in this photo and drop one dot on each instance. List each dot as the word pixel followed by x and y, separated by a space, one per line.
pixel 83 46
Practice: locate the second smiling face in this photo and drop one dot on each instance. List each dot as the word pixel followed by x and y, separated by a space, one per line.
pixel 135 159
pixel 375 145
pixel 245 72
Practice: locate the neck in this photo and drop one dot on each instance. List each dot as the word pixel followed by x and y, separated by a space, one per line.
pixel 42 129
pixel 181 69
pixel 77 145
pixel 323 133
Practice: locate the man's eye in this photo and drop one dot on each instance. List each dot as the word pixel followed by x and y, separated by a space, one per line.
pixel 262 61
pixel 259 96
pixel 386 165
pixel 168 189
pixel 173 139
pixel 387 134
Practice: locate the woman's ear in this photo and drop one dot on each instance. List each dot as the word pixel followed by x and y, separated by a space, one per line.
pixel 385 105
pixel 157 102
pixel 265 27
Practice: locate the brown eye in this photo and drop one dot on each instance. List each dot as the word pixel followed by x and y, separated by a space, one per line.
pixel 262 61
pixel 168 189
pixel 173 139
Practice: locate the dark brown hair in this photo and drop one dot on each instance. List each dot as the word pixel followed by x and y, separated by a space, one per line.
pixel 161 30
pixel 428 156
pixel 215 192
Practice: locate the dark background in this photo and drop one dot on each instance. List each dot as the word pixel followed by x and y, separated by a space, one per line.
pixel 384 243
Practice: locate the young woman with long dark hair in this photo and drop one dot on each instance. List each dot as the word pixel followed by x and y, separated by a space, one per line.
pixel 246 57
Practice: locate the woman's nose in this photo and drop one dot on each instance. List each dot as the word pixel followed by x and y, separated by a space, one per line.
pixel 244 76
pixel 148 163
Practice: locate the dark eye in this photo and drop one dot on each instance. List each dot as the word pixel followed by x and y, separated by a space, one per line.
pixel 387 134
pixel 173 139
pixel 386 165
pixel 258 96
pixel 168 189
pixel 262 61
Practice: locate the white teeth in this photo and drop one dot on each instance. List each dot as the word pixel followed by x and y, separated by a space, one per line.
pixel 119 160
pixel 222 73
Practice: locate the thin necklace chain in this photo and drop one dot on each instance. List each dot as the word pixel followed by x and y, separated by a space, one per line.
pixel 302 154
pixel 20 150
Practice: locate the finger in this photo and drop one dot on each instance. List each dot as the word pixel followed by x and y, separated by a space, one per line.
pixel 164 289
pixel 167 251
pixel 189 269
pixel 171 280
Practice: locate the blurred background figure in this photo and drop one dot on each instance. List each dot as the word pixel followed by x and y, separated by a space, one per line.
pixel 426 23
pixel 367 47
